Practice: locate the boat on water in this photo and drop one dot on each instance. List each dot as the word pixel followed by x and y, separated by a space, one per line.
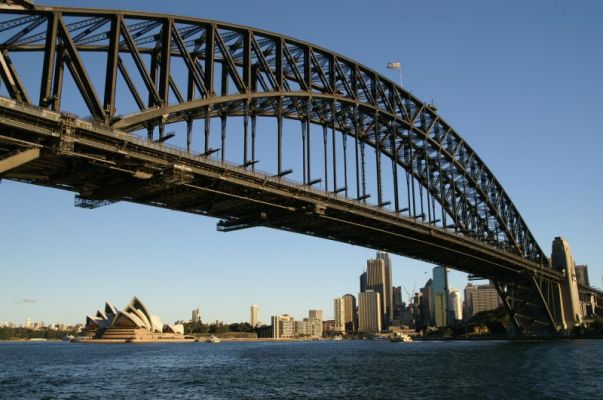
pixel 337 337
pixel 213 339
pixel 400 337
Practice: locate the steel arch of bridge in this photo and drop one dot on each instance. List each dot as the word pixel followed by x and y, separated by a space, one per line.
pixel 239 71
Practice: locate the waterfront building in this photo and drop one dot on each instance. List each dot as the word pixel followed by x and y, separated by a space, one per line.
pixel 388 309
pixel 375 272
pixel 196 315
pixel 328 325
pixel 480 298
pixel 315 314
pixel 28 324
pixel 255 312
pixel 440 296
pixel 456 305
pixel 562 260
pixel 283 326
pixel 339 313
pixel 369 312
pixel 350 313
pixel 133 323
pixel 582 275
pixel 313 327
pixel 300 329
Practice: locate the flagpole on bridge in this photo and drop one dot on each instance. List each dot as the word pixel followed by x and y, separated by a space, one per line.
pixel 395 65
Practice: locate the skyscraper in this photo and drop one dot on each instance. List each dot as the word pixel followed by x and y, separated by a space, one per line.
pixel 375 273
pixel 387 292
pixel 440 295
pixel 427 314
pixel 339 313
pixel 196 315
pixel 363 283
pixel 350 314
pixel 396 302
pixel 456 305
pixel 255 311
pixel 369 312
pixel 315 314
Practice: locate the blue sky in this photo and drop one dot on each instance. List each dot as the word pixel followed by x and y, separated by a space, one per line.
pixel 520 81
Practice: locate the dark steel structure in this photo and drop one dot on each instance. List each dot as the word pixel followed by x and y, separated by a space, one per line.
pixel 433 197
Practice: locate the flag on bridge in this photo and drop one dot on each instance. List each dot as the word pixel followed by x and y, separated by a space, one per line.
pixel 394 65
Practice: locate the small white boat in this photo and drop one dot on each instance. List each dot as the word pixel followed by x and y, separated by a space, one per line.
pixel 213 339
pixel 337 337
pixel 400 337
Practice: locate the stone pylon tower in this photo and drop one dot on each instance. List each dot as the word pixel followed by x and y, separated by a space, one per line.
pixel 562 260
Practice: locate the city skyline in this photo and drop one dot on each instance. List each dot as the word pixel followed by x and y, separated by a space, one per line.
pixel 183 254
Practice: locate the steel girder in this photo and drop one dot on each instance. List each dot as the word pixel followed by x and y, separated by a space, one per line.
pixel 262 74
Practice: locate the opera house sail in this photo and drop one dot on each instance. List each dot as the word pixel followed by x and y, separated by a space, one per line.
pixel 132 324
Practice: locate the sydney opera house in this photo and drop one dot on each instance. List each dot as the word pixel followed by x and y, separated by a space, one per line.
pixel 132 324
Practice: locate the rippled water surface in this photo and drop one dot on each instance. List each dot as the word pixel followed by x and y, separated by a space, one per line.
pixel 332 370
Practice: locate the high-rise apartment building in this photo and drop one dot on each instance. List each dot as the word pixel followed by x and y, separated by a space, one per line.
pixel 317 314
pixel 196 315
pixel 339 314
pixel 350 314
pixel 440 296
pixel 388 309
pixel 369 312
pixel 255 312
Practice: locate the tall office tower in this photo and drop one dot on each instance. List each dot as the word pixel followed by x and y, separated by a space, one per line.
pixel 582 275
pixel 387 293
pixel 397 301
pixel 196 315
pixel 375 281
pixel 440 295
pixel 350 314
pixel 363 279
pixel 562 260
pixel 417 317
pixel 369 312
pixel 456 305
pixel 315 314
pixel 339 313
pixel 427 314
pixel 255 312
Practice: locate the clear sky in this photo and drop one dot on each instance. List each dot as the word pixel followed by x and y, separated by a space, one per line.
pixel 520 81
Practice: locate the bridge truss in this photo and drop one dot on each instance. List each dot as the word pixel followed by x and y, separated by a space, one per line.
pixel 426 194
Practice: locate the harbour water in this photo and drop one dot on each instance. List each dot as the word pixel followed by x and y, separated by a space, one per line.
pixel 298 370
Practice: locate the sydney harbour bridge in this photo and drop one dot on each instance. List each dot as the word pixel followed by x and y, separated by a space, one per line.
pixel 276 132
